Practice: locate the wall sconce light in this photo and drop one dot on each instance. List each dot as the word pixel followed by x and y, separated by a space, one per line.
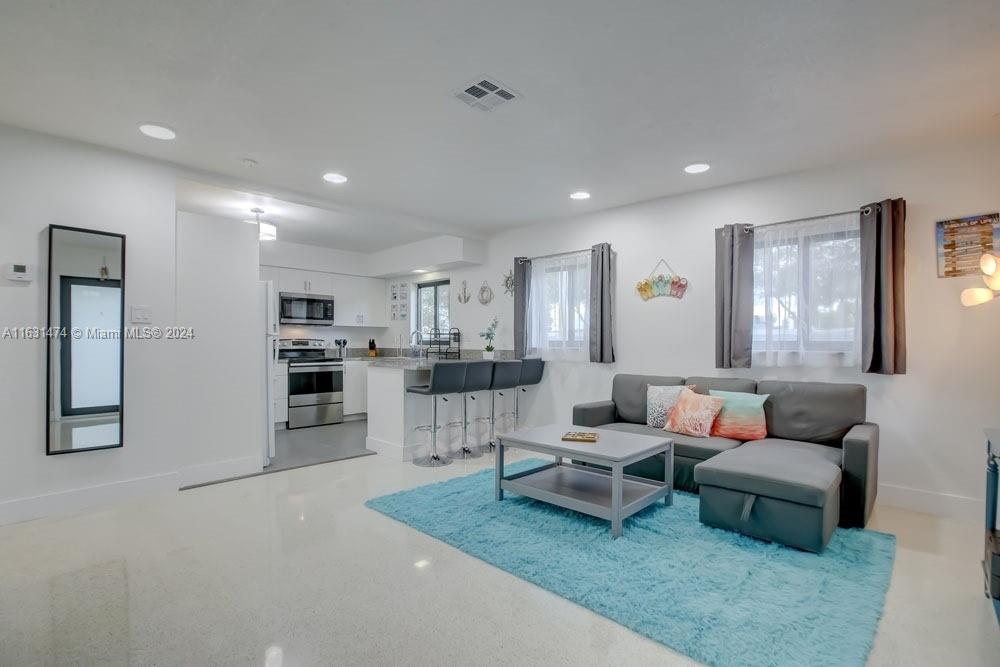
pixel 989 264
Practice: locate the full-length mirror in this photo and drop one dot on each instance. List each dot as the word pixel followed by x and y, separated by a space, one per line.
pixel 86 331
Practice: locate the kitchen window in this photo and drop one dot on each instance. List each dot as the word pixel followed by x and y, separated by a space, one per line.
pixel 432 307
pixel 558 309
pixel 807 293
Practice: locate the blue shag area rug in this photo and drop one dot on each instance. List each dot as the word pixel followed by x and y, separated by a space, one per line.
pixel 716 596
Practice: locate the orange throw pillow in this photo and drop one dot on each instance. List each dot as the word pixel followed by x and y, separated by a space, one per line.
pixel 694 414
pixel 742 417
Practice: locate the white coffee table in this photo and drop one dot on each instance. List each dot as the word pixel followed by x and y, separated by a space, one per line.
pixel 607 494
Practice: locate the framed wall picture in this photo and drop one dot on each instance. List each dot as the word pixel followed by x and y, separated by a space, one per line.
pixel 961 242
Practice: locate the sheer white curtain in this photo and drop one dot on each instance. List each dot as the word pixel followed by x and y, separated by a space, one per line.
pixel 558 317
pixel 807 293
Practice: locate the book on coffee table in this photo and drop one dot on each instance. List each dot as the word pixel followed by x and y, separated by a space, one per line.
pixel 580 436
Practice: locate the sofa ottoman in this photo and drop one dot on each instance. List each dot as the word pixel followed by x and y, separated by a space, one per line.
pixel 782 491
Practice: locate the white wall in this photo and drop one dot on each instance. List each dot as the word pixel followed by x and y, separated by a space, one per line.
pixel 931 419
pixel 44 180
pixel 223 365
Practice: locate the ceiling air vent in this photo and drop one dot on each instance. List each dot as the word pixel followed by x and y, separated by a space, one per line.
pixel 486 94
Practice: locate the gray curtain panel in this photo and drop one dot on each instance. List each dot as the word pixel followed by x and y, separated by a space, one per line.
pixel 883 316
pixel 602 302
pixel 733 296
pixel 522 283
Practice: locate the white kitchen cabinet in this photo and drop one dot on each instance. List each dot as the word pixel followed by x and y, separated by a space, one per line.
pixel 355 386
pixel 281 387
pixel 374 314
pixel 345 300
pixel 280 411
pixel 304 282
pixel 358 301
pixel 280 392
pixel 293 280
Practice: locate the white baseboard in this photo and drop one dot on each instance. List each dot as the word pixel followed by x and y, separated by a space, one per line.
pixel 930 502
pixel 216 470
pixel 73 501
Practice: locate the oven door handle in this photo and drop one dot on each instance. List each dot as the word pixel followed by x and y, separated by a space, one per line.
pixel 300 368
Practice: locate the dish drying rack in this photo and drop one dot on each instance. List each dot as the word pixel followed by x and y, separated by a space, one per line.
pixel 445 345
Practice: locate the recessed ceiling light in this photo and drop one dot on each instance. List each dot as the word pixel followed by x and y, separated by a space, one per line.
pixel 697 168
pixel 580 195
pixel 334 177
pixel 420 270
pixel 161 132
pixel 421 564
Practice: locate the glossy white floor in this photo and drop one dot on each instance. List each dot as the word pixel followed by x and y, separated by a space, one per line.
pixel 291 569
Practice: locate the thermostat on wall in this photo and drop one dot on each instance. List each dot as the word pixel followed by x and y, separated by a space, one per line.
pixel 21 272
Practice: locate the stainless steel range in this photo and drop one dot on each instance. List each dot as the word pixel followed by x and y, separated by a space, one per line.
pixel 315 382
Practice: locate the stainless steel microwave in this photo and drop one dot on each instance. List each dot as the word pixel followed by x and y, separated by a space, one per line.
pixel 305 309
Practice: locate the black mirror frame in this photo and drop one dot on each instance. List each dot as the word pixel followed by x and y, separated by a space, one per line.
pixel 48 349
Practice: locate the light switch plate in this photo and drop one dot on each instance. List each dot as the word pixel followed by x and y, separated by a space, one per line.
pixel 142 314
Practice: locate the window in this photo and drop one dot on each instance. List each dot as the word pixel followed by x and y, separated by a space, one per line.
pixel 432 307
pixel 558 317
pixel 807 293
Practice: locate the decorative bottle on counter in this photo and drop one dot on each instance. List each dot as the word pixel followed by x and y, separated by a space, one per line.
pixel 372 352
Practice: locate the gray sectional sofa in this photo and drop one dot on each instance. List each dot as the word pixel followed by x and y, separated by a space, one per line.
pixel 816 469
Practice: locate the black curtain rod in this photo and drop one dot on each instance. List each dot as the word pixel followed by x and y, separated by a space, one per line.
pixel 555 254
pixel 864 211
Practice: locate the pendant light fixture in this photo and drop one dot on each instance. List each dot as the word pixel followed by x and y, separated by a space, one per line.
pixel 266 231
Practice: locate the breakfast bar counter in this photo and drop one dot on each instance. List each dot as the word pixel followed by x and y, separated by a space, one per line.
pixel 393 413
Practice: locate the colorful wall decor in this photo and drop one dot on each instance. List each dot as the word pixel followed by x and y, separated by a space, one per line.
pixel 663 284
pixel 961 242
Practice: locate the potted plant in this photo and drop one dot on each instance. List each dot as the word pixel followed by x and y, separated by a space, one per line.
pixel 488 335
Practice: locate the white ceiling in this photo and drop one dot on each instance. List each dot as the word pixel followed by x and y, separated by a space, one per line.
pixel 360 230
pixel 617 96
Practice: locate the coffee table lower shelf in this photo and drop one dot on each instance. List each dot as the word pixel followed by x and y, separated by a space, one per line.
pixel 584 489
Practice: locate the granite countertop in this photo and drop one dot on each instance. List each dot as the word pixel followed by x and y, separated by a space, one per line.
pixel 404 363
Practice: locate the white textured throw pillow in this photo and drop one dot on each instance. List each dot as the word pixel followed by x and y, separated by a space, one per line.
pixel 659 402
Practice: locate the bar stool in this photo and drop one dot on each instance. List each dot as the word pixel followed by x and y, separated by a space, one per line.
pixel 447 377
pixel 531 374
pixel 478 377
pixel 506 375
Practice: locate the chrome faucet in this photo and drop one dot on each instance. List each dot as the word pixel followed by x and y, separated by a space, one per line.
pixel 416 347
